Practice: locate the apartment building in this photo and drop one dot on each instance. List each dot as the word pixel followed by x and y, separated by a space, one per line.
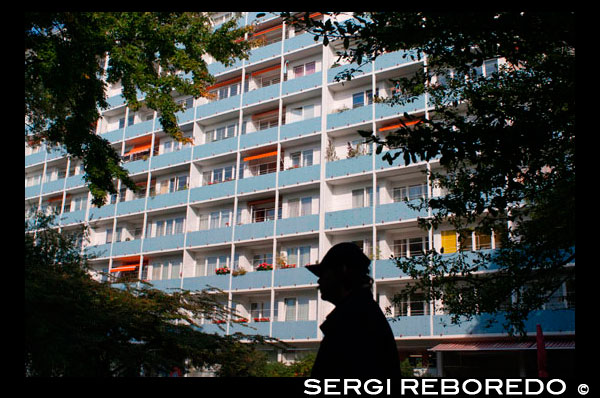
pixel 277 174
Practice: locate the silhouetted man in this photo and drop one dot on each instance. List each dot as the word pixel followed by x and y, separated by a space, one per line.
pixel 358 341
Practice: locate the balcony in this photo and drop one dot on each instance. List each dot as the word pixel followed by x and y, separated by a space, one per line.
pixel 137 166
pixel 296 330
pixel 53 186
pixel 115 101
pixel 131 206
pixel 209 237
pixel 108 210
pixel 299 175
pixel 138 129
pixel 213 191
pixel 262 53
pixel 261 95
pixel 127 247
pixel 350 117
pixel 72 217
pixel 302 83
pixel 161 243
pixel 98 251
pixel 74 181
pixel 215 148
pixel 396 58
pixel 32 191
pixel 349 166
pixel 411 325
pixel 252 280
pixel 260 137
pixel 168 200
pixel 257 230
pixel 301 128
pixel 167 285
pixel 294 225
pixel 257 183
pixel 217 68
pixel 398 211
pixel 333 72
pixel 216 107
pixel 35 158
pixel 171 158
pixel 204 282
pixel 294 277
pixel 384 110
pixel 349 218
pixel 299 42
pixel 113 135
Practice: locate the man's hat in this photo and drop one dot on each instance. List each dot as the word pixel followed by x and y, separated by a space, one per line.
pixel 343 253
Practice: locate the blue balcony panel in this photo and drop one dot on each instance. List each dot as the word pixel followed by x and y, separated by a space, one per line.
pixel 385 110
pixel 115 100
pixel 214 191
pixel 168 200
pixel 262 53
pixel 53 186
pixel 127 247
pixel 261 95
pixel 302 83
pixel 131 206
pixel 184 117
pixel 74 181
pixel 295 330
pixel 395 58
pixel 551 321
pixel 301 128
pixel 211 328
pixel 410 325
pixel 299 175
pixel 255 138
pixel 56 152
pixel 349 117
pixel 349 166
pixel 160 243
pixel 359 71
pixel 215 107
pixel 138 129
pixel 35 158
pixel 299 42
pixel 294 277
pixel 171 158
pixel 387 269
pixel 167 285
pixel 72 217
pixel 113 135
pixel 209 237
pixel 102 212
pixel 252 328
pixel 294 225
pixel 215 148
pixel 217 68
pixel 443 326
pixel 137 166
pixel 32 191
pixel 397 211
pixel 258 183
pixel 252 280
pixel 98 251
pixel 348 218
pixel 258 230
pixel 198 283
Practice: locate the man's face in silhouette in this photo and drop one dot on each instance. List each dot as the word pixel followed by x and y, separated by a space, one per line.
pixel 330 284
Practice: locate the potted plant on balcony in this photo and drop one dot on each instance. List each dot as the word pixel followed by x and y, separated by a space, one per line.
pixel 241 320
pixel 264 267
pixel 287 266
pixel 238 272
pixel 261 319
pixel 222 271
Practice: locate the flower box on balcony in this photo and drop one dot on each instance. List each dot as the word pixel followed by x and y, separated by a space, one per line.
pixel 286 266
pixel 264 267
pixel 222 271
pixel 261 319
pixel 219 321
pixel 240 320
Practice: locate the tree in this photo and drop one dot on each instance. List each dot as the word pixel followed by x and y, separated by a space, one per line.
pixel 77 326
pixel 504 139
pixel 153 54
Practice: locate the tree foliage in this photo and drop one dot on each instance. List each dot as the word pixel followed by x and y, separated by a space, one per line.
pixel 152 54
pixel 505 141
pixel 77 326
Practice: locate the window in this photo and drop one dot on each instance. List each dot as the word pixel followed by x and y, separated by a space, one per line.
pixel 226 91
pixel 302 158
pixel 306 208
pixel 78 203
pixel 304 70
pixel 266 81
pixel 298 255
pixel 293 208
pixel 362 197
pixel 412 192
pixel 262 258
pixel 483 241
pixel 260 311
pixel 359 99
pixel 411 247
pixel 168 227
pixel 296 309
pixel 267 123
pixel 411 305
pixel 449 242
pixel 109 233
pixel 214 262
pixel 166 269
pixel 220 174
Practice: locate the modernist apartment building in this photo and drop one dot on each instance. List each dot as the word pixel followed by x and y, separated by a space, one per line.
pixel 276 175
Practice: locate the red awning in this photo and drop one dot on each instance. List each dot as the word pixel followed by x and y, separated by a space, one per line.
pixel 503 346
pixel 262 155
pixel 124 268
pixel 139 148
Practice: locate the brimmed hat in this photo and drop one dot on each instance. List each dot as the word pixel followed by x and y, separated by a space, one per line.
pixel 343 253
